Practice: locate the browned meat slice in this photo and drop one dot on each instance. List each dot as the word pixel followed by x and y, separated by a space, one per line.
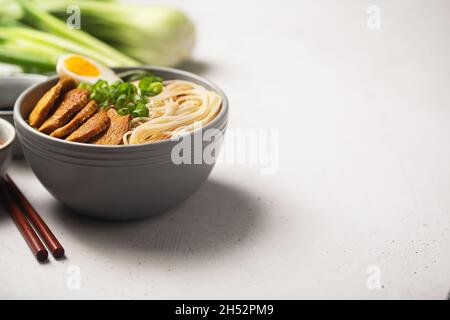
pixel 73 101
pixel 77 120
pixel 119 126
pixel 96 124
pixel 45 104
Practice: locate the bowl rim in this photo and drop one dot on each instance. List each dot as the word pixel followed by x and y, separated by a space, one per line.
pixel 92 147
pixel 10 140
pixel 24 77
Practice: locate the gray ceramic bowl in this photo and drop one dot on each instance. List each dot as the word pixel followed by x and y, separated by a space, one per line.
pixel 10 89
pixel 114 182
pixel 7 135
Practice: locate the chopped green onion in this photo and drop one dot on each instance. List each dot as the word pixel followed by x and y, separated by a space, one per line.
pixel 141 106
pixel 140 113
pixel 104 105
pixel 84 85
pixel 131 106
pixel 124 96
pixel 156 87
pixel 123 111
pixel 121 100
pixel 145 83
pixel 101 84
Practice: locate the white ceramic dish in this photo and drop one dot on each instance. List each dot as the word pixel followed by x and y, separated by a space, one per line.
pixel 7 136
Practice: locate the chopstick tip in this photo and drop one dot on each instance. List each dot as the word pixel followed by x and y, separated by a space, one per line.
pixel 42 255
pixel 58 253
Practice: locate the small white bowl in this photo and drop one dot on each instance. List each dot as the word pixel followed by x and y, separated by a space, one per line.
pixel 7 135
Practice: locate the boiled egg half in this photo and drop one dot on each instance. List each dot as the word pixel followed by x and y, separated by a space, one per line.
pixel 83 69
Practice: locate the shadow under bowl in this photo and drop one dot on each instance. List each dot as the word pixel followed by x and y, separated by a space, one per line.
pixel 117 182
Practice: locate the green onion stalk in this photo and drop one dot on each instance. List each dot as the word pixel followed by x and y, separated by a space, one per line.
pixel 34 34
pixel 153 34
pixel 34 40
pixel 44 21
pixel 51 41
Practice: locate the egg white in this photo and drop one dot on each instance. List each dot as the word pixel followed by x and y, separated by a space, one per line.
pixel 105 73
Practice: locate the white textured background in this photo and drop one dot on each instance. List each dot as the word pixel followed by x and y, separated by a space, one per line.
pixel 364 173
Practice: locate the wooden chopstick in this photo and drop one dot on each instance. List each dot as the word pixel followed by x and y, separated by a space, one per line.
pixel 22 224
pixel 41 227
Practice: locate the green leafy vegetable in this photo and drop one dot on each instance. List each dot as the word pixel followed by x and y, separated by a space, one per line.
pixel 45 46
pixel 34 34
pixel 153 34
pixel 38 49
pixel 42 20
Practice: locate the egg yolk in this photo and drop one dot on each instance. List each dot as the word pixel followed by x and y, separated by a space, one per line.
pixel 80 66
